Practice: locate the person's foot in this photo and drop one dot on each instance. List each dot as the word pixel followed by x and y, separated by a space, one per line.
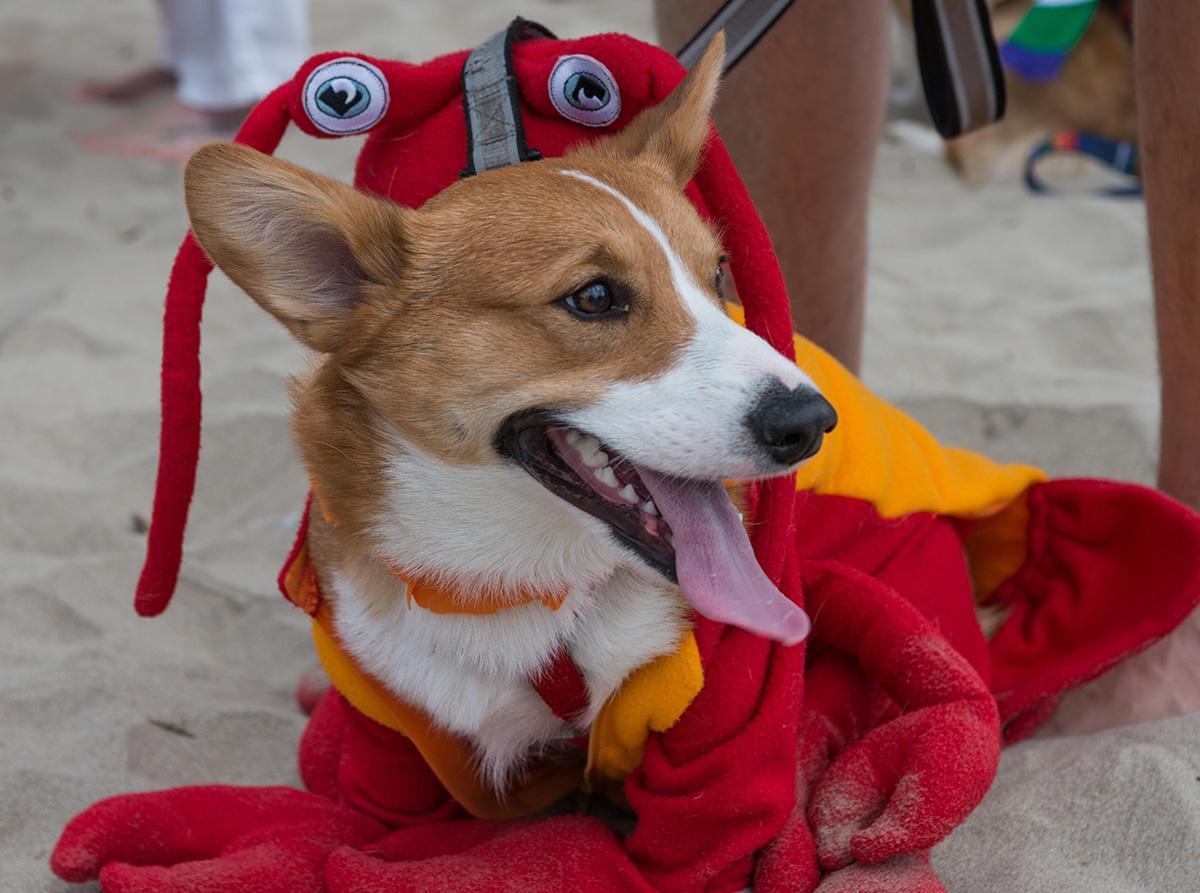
pixel 128 88
pixel 170 134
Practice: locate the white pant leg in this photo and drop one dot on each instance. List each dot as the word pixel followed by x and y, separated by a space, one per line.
pixel 231 53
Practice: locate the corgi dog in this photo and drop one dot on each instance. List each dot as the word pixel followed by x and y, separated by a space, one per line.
pixel 529 385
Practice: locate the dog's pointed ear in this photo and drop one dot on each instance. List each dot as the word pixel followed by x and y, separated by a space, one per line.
pixel 310 250
pixel 672 134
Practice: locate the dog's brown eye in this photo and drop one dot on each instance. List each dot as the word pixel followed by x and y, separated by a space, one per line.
pixel 595 300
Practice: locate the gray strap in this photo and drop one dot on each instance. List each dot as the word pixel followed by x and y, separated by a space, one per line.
pixel 960 68
pixel 744 22
pixel 495 135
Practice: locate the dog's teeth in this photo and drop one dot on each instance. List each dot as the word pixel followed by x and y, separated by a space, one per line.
pixel 629 494
pixel 596 459
pixel 605 476
pixel 650 508
pixel 587 444
pixel 573 437
pixel 671 540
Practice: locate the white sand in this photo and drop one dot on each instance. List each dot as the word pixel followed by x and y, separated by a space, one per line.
pixel 1113 812
pixel 1016 325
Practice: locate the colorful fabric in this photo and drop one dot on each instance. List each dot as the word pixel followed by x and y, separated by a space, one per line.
pixel 1038 47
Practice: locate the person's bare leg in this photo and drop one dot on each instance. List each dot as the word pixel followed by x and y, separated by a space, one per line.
pixel 1168 83
pixel 801 115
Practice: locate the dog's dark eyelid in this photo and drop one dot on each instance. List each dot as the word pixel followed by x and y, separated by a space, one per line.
pixel 597 300
pixel 719 273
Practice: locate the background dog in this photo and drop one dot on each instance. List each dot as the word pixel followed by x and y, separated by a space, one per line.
pixel 1093 93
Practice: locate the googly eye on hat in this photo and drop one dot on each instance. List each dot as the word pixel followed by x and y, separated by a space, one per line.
pixel 583 90
pixel 345 96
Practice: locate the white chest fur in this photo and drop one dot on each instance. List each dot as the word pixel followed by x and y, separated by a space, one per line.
pixel 471 672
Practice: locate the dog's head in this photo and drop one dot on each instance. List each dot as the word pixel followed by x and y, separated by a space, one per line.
pixel 561 321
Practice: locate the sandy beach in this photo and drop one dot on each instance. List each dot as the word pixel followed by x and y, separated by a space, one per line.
pixel 1015 325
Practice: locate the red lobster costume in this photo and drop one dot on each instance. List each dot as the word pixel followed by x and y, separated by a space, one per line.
pixel 831 765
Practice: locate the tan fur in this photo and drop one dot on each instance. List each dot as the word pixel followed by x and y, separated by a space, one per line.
pixel 300 244
pixel 441 322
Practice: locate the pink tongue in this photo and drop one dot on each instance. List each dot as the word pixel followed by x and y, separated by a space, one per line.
pixel 717 570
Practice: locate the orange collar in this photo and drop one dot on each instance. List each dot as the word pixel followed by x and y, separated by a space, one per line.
pixel 442 601
pixel 438 600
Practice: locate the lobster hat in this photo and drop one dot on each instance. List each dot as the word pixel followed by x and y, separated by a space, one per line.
pixel 520 96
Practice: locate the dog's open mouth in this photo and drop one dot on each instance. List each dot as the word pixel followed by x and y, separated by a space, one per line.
pixel 688 530
pixel 579 469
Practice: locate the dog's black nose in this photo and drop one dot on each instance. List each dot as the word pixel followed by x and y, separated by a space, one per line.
pixel 789 425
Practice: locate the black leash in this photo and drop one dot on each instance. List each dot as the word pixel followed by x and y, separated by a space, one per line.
pixel 744 22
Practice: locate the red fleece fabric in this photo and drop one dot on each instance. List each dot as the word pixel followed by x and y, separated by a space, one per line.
pixel 179 436
pixel 1112 568
pixel 571 853
pixel 842 787
pixel 725 773
pixel 910 873
pixel 905 783
pixel 355 761
pixel 212 839
pixel 873 783
pixel 842 784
